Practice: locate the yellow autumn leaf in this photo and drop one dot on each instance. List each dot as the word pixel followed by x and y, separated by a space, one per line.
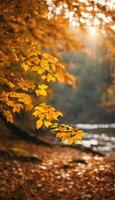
pixel 43 77
pixel 70 141
pixel 35 60
pixel 53 67
pixel 33 52
pixel 17 107
pixel 25 66
pixel 46 56
pixel 77 137
pixel 80 133
pixel 42 86
pixel 76 140
pixel 28 107
pixel 35 113
pixel 39 124
pixel 7 114
pixel 40 71
pixel 10 103
pixel 59 114
pixel 49 117
pixel 41 116
pixel 55 116
pixel 28 62
pixel 50 78
pixel 34 68
pixel 11 85
pixel 54 125
pixel 41 92
pixel 60 135
pixel 47 123
pixel 40 108
pixel 44 65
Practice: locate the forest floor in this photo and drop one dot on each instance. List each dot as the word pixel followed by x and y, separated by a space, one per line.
pixel 30 171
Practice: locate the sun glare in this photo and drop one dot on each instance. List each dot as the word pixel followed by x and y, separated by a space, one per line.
pixel 95 15
pixel 92 30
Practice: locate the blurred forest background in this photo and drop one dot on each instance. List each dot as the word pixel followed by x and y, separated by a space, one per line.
pixel 92 101
pixel 86 104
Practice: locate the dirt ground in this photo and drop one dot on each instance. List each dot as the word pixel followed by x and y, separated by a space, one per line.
pixel 30 171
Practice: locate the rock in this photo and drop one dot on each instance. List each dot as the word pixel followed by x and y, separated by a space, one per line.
pixel 74 162
pixel 19 154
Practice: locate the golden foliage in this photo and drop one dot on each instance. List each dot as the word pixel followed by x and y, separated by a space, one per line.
pixel 7 114
pixel 46 114
pixel 18 96
pixel 67 133
pixel 26 72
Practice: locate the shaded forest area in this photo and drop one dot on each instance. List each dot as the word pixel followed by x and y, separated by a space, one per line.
pixel 94 78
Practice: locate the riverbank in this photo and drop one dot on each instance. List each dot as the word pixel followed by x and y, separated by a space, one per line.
pixel 30 171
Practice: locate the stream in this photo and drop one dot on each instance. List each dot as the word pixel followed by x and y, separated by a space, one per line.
pixel 99 137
